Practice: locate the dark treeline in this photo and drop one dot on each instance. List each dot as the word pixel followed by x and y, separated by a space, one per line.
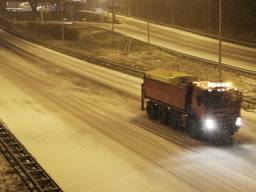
pixel 69 7
pixel 239 16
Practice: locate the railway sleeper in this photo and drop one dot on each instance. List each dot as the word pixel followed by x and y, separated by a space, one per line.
pixel 35 172
pixel 13 145
pixel 31 168
pixel 23 158
pixel 18 151
pixel 44 181
pixel 30 165
pixel 16 148
pixel 24 164
pixel 4 134
pixel 9 140
pixel 3 129
pixel 38 173
pixel 54 189
pixel 22 155
pixel 47 185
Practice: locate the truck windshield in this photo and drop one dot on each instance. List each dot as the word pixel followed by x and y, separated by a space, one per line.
pixel 222 99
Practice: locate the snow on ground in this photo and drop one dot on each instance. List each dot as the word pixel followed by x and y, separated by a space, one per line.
pixel 84 126
pixel 104 44
pixel 83 154
pixel 9 179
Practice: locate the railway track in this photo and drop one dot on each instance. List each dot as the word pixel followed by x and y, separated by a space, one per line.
pixel 33 175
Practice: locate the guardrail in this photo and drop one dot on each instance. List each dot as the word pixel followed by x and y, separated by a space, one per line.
pixel 33 175
pixel 249 72
pixel 248 102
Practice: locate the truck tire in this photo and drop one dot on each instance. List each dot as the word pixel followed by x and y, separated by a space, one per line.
pixel 233 130
pixel 152 110
pixel 163 110
pixel 172 119
pixel 178 121
pixel 193 128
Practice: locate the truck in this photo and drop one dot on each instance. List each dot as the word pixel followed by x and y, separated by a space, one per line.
pixel 203 109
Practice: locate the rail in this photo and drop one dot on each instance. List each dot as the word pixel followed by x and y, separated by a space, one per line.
pixel 33 175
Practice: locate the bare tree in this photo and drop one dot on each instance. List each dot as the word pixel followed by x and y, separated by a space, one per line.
pixel 34 5
pixel 3 5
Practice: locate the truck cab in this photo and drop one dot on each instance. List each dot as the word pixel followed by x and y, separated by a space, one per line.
pixel 216 107
pixel 201 108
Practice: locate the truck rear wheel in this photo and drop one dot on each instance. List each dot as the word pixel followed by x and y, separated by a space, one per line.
pixel 163 114
pixel 152 110
pixel 172 119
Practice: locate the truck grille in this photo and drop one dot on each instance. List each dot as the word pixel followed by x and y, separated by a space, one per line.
pixel 227 122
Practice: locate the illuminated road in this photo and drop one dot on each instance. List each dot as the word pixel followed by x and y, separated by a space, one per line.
pixel 83 124
pixel 189 43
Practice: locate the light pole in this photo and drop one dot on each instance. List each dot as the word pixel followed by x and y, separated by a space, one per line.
pixel 148 18
pixel 209 16
pixel 128 7
pixel 62 24
pixel 17 13
pixel 148 31
pixel 42 13
pixel 172 11
pixel 220 40
pixel 72 5
pixel 113 7
pixel 113 18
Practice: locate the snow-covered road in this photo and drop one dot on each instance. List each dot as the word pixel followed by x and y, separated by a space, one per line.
pixel 186 42
pixel 83 124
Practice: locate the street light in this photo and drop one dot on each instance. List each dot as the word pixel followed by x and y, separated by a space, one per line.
pixel 62 24
pixel 148 19
pixel 148 31
pixel 209 16
pixel 113 6
pixel 220 40
pixel 17 13
pixel 172 2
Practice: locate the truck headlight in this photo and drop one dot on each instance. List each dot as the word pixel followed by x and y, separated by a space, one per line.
pixel 210 124
pixel 238 122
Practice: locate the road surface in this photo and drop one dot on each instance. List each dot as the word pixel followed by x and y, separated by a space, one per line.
pixel 83 124
pixel 186 42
